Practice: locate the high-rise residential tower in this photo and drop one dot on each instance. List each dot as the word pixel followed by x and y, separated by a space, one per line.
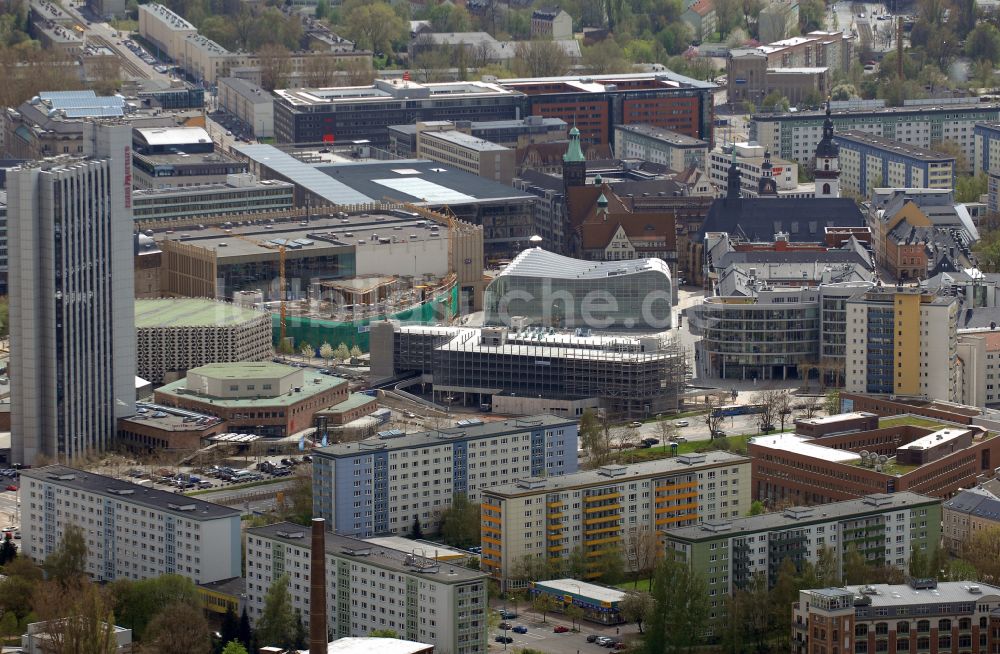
pixel 71 299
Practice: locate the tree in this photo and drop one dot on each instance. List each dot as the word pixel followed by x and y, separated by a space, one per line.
pixel 301 640
pixel 416 533
pixel 577 565
pixel 574 613
pixel 636 607
pixel 642 548
pixel 245 633
pixel 76 617
pixel 987 251
pixel 811 13
pixel 611 567
pixel 728 14
pixel 69 562
pixel 276 625
pixel 326 352
pixel 750 617
pixel 542 604
pixel 775 101
pixel 8 551
pixel 767 401
pixel 373 25
pixel 783 408
pixel 982 551
pixel 680 616
pixel 322 8
pixel 21 577
pixel 984 43
pixel 712 417
pixel 460 523
pixel 756 508
pixel 918 565
pixel 540 59
pixel 275 65
pixel 843 91
pixel 9 625
pixel 605 57
pixel 855 567
pixel 383 633
pixel 595 438
pixel 229 630
pixel 969 188
pixel 298 507
pixel 307 350
pixel 137 603
pixel 831 402
pixel 356 351
pixel 342 353
pixel 234 647
pixel 179 627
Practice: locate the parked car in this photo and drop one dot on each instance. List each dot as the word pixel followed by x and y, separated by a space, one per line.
pixel 559 629
pixel 681 423
pixel 520 629
pixel 506 626
pixel 503 639
pixel 592 638
pixel 603 640
pixel 507 615
pixel 652 441
pixel 612 643
pixel 410 414
pixel 635 423
pixel 12 487
pixel 718 433
pixel 619 646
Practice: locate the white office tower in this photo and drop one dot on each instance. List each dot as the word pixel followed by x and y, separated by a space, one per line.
pixel 72 330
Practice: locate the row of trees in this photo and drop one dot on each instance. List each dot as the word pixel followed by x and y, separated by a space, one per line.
pixel 328 353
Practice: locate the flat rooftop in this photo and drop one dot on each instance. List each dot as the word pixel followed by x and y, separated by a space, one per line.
pixel 838 417
pixel 373 555
pixel 424 548
pixel 464 140
pixel 419 181
pixel 599 83
pixel 611 474
pixel 435 437
pixel 374 645
pixel 583 589
pixel 939 437
pixel 388 91
pixel 164 313
pixel 353 401
pixel 802 445
pixel 189 508
pixel 889 145
pixel 915 110
pixel 659 133
pixel 319 237
pixel 313 384
pixel 188 159
pixel 803 515
pixel 946 592
pixel 170 419
pixel 150 195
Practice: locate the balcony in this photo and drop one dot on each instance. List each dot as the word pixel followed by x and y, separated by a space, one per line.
pixel 675 509
pixel 604 496
pixel 602 507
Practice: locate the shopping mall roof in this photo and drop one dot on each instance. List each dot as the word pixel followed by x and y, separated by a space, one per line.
pixel 157 136
pixel 190 312
pixel 536 262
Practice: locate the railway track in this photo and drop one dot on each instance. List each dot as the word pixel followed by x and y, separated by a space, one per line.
pixel 128 66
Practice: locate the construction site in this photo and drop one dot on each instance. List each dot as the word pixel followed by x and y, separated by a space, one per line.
pixel 533 369
pixel 332 273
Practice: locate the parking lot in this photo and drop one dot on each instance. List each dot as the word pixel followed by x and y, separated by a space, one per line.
pixel 213 477
pixel 541 635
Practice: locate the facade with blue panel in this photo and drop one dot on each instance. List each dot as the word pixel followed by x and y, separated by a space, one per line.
pixel 133 532
pixel 380 486
pixel 868 161
pixel 987 148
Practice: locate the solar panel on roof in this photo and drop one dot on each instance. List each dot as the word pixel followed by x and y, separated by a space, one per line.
pixel 425 190
pixel 52 95
pixel 303 241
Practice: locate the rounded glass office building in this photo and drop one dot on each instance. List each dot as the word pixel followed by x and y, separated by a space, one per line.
pixel 550 290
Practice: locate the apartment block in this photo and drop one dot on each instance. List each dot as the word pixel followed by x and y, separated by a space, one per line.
pixel 902 341
pixel 612 508
pixel 868 161
pixel 885 528
pixel 132 532
pixel 924 615
pixel 384 484
pixel 371 587
pixel 750 158
pixel 795 135
pixel 968 513
pixel 986 157
pixel 663 146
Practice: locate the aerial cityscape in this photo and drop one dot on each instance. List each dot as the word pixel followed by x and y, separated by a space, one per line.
pixel 489 326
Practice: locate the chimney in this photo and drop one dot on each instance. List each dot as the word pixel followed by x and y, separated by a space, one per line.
pixel 317 589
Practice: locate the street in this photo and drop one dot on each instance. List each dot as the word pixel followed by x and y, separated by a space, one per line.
pixel 541 637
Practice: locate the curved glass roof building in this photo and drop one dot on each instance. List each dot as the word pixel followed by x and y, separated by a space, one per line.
pixel 548 289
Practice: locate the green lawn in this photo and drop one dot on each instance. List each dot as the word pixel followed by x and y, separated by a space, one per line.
pixel 631 585
pixel 736 443
pixel 913 421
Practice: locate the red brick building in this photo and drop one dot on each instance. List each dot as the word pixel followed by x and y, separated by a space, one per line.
pixel 793 469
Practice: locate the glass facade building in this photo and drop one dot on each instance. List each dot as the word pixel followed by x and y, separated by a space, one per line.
pixel 551 290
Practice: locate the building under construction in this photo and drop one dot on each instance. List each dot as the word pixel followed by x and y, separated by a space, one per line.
pixel 541 369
